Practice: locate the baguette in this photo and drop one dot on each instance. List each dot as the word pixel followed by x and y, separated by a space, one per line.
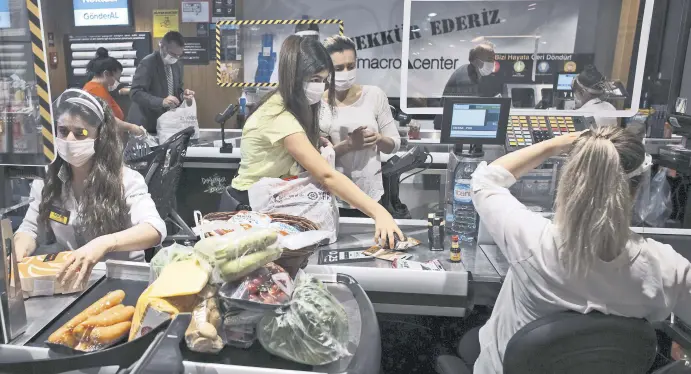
pixel 64 335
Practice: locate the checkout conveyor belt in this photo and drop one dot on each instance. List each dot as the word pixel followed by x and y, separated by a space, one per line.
pixel 132 278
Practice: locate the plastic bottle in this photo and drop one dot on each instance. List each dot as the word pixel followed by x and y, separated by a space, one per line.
pixel 464 214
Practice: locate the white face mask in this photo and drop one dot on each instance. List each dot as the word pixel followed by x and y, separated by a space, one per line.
pixel 345 80
pixel 314 91
pixel 77 152
pixel 115 85
pixel 487 68
pixel 169 60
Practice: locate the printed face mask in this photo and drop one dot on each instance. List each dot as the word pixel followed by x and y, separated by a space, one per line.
pixel 77 152
pixel 314 91
pixel 487 68
pixel 345 80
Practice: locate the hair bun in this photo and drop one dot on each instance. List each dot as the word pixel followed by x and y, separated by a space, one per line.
pixel 101 52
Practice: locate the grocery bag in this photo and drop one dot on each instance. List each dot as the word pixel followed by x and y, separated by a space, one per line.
pixel 302 196
pixel 176 120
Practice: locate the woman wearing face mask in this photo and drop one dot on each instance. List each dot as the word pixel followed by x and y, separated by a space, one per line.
pixel 589 93
pixel 284 131
pixel 361 125
pixel 106 72
pixel 89 202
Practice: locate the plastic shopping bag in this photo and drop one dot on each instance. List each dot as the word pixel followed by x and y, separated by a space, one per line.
pixel 176 120
pixel 302 197
pixel 654 200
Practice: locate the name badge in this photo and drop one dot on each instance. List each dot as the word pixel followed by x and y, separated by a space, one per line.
pixel 59 215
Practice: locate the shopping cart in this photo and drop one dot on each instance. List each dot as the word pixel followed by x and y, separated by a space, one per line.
pixel 161 167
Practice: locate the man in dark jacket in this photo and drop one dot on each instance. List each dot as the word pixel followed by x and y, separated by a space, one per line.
pixel 157 85
pixel 467 80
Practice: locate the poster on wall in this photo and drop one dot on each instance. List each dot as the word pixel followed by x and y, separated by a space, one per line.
pixel 165 20
pixel 442 34
pixel 223 10
pixel 196 51
pixel 195 11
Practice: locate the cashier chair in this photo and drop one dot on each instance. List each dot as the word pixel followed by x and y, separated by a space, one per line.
pixel 162 168
pixel 570 343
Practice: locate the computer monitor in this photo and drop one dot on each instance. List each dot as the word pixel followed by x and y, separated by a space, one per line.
pixel 475 120
pixel 564 81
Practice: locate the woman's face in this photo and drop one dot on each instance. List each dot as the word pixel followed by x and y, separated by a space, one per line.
pixel 114 78
pixel 71 127
pixel 321 77
pixel 344 61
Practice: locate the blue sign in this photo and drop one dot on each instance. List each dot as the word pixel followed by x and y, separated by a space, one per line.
pixel 101 12
pixel 5 21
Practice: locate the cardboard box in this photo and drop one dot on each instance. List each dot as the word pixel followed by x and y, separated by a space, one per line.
pixel 38 275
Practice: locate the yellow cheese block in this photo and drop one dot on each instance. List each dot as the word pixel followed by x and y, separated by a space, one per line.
pixel 180 279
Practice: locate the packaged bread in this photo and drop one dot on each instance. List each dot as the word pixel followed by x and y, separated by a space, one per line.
pixel 202 335
pixel 175 291
pixel 65 335
pixel 38 275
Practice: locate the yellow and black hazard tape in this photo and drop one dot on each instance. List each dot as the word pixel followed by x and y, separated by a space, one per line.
pixel 219 80
pixel 42 88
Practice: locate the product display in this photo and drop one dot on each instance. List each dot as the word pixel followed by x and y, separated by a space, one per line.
pixel 312 331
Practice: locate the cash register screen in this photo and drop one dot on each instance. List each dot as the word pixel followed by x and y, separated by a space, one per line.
pixel 475 120
pixel 564 82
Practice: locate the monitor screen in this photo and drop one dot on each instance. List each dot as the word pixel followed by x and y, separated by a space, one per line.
pixel 564 81
pixel 475 121
pixel 101 12
pixel 5 21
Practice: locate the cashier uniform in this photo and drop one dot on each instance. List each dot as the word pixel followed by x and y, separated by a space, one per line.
pixel 141 210
pixel 362 166
pixel 597 104
pixel 648 280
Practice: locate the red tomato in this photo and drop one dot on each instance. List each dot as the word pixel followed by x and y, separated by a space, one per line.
pixel 282 297
pixel 255 298
pixel 253 289
pixel 257 282
pixel 270 300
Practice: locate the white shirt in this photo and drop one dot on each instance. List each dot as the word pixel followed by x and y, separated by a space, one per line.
pixel 648 280
pixel 141 210
pixel 600 105
pixel 371 110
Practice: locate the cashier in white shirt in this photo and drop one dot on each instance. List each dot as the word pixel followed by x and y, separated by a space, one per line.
pixel 589 93
pixel 89 202
pixel 587 259
pixel 361 124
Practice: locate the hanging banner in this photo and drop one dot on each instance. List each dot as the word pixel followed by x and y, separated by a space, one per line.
pixel 165 20
pixel 195 11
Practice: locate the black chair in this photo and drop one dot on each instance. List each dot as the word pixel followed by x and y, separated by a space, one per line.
pixel 161 169
pixel 570 343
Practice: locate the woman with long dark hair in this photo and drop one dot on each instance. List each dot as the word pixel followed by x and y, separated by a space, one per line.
pixel 105 72
pixel 89 202
pixel 284 130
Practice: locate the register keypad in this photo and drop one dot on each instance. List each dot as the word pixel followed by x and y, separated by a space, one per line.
pixel 524 131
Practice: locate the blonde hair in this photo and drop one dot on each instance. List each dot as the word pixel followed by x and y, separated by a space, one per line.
pixel 595 198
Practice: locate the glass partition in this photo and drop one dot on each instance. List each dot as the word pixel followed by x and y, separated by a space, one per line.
pixel 552 57
pixel 26 127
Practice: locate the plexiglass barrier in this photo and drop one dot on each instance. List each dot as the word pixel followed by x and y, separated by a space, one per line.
pixel 26 126
pixel 539 48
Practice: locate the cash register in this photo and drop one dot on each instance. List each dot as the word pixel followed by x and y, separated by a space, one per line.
pixel 474 121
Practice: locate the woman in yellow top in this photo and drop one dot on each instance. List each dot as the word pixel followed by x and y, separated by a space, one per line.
pixel 285 129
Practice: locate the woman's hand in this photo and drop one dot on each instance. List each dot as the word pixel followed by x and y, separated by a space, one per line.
pixel 356 139
pixel 563 143
pixel 371 138
pixel 83 260
pixel 385 227
pixel 324 142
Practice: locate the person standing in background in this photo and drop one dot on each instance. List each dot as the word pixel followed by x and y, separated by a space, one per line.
pixel 105 72
pixel 157 85
pixel 590 95
pixel 467 80
pixel 360 126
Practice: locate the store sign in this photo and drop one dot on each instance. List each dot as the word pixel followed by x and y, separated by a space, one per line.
pixel 165 20
pixel 196 51
pixel 195 11
pixel 101 12
pixel 441 35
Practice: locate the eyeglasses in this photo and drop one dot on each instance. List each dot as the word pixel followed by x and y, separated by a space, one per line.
pixel 78 132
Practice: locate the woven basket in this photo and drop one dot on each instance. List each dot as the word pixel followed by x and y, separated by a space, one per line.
pixel 290 260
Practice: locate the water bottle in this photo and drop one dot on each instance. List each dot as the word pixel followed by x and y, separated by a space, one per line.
pixel 464 216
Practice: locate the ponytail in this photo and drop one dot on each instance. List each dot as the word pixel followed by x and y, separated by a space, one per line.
pixel 595 197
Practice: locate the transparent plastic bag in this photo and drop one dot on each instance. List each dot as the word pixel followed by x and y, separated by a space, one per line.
pixel 263 290
pixel 654 200
pixel 174 253
pixel 203 335
pixel 312 329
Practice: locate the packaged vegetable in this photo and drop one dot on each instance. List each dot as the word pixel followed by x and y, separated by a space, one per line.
pixel 312 329
pixel 262 290
pixel 235 269
pixel 202 335
pixel 240 244
pixel 240 336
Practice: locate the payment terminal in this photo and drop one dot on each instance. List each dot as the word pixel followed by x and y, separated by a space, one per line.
pixel 475 121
